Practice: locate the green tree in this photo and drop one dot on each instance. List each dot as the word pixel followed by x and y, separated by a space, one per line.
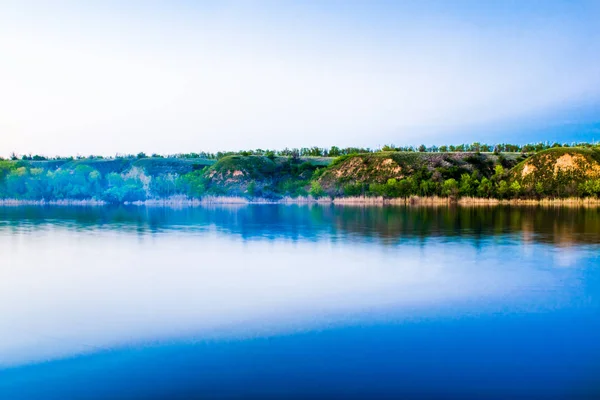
pixel 193 184
pixel 516 189
pixel 502 189
pixel 590 188
pixel 539 189
pixel 354 189
pixel 334 152
pixel 498 172
pixel 405 187
pixel 316 190
pixel 251 189
pixel 164 185
pixel 378 189
pixel 468 185
pixel 485 188
pixel 16 182
pixel 392 189
pixel 427 188
pixel 450 188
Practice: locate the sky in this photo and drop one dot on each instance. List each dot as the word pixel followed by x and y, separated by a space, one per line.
pixel 106 77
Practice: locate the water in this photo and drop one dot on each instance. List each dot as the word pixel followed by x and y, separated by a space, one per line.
pixel 299 301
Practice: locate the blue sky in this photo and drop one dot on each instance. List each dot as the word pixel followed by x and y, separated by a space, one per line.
pixel 126 76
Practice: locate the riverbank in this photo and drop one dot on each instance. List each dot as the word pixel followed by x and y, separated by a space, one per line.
pixel 471 201
pixel 64 202
pixel 433 201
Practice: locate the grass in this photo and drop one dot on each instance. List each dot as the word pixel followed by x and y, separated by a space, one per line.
pixel 378 167
pixel 178 166
pixel 558 170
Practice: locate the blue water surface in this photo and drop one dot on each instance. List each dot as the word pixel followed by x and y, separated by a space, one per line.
pixel 269 301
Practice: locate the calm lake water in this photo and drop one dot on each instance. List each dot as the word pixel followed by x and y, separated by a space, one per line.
pixel 293 301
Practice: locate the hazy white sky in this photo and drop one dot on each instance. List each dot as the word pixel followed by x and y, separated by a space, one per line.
pixel 179 76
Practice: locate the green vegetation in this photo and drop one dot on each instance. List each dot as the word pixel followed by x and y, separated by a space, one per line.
pixel 405 174
pixel 559 172
pixel 556 172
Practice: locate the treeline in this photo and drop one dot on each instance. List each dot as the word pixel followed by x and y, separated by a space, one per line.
pixel 21 181
pixel 85 182
pixel 477 147
pixel 333 151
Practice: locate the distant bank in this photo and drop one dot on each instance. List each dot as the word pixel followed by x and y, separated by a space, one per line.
pixel 560 175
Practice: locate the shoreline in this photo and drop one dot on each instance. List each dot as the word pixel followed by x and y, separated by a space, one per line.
pixel 416 201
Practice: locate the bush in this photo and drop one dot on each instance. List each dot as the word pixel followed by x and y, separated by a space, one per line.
pixel 468 185
pixel 485 188
pixel 515 189
pixel 590 188
pixel 503 190
pixel 377 189
pixel 450 188
pixel 192 184
pixel 316 190
pixel 427 188
pixel 354 189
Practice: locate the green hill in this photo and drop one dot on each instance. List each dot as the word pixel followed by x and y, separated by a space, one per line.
pixel 262 176
pixel 378 168
pixel 558 171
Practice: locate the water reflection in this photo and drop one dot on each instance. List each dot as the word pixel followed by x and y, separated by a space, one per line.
pixel 113 288
pixel 561 226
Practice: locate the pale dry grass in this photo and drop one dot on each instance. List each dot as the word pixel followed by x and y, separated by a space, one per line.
pixel 16 202
pixel 546 202
pixel 432 201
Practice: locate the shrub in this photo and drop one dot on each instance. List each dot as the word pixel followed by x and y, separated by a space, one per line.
pixel 450 188
pixel 468 185
pixel 515 189
pixel 354 189
pixel 485 188
pixel 590 188
pixel 316 190
pixel 502 190
pixel 192 184
pixel 427 188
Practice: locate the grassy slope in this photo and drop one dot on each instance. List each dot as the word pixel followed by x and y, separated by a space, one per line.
pixel 176 166
pixel 151 166
pixel 48 165
pixel 558 168
pixel 263 176
pixel 379 167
